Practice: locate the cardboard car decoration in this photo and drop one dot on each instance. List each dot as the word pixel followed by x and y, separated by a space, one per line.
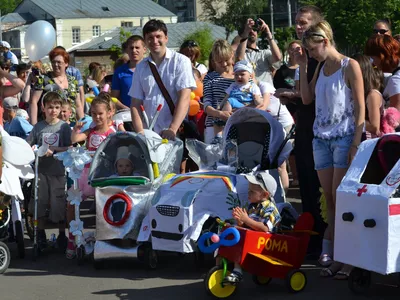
pixel 367 223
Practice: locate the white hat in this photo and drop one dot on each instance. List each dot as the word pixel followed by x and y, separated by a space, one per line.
pixel 22 113
pixel 123 153
pixel 243 65
pixel 265 180
pixel 5 44
pixel 10 102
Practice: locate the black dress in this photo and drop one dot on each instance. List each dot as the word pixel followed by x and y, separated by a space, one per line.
pixel 284 79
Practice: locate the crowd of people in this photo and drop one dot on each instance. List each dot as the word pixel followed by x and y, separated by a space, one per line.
pixel 335 101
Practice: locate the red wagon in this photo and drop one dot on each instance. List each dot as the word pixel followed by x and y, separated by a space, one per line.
pixel 265 256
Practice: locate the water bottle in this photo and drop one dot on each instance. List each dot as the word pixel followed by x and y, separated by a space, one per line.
pixel 53 238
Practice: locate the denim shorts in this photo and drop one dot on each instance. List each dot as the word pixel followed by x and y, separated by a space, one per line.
pixel 332 153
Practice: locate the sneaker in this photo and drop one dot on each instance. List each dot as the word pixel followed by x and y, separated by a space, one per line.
pixel 234 277
pixel 62 242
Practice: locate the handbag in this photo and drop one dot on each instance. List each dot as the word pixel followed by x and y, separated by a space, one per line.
pixel 188 129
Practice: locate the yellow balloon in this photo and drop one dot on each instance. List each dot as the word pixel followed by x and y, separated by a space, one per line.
pixel 90 99
pixel 192 96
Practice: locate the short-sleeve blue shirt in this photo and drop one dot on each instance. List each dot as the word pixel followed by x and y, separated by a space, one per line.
pixel 122 81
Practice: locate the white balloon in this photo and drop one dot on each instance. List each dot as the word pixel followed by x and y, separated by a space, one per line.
pixel 39 40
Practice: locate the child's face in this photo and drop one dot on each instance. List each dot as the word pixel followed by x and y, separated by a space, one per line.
pixel 52 111
pixel 124 167
pixel 100 114
pixel 242 77
pixel 256 194
pixel 65 112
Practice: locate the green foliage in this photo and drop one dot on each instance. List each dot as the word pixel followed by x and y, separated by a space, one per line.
pixel 203 37
pixel 123 36
pixel 8 6
pixel 284 36
pixel 233 200
pixel 231 14
pixel 352 21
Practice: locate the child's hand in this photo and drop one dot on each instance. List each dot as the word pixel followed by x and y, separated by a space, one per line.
pixel 48 153
pixel 79 125
pixel 240 215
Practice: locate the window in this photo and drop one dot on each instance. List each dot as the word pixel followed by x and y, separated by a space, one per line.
pixel 191 14
pixel 126 24
pixel 96 30
pixel 76 35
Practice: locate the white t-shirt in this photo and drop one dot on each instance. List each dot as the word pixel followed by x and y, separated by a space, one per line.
pixel 202 68
pixel 392 87
pixel 275 108
pixel 249 87
pixel 262 62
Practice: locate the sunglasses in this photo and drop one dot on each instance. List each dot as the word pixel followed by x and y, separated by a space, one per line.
pixel 189 44
pixel 380 31
pixel 309 34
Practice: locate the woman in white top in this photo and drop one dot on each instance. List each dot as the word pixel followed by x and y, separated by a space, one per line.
pixel 339 122
pixel 191 49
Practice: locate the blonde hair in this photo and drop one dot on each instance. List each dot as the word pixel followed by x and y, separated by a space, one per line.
pixel 318 33
pixel 98 74
pixel 221 50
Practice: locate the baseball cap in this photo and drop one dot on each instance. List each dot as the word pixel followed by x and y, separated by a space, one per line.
pixel 5 44
pixel 243 65
pixel 10 102
pixel 22 113
pixel 263 179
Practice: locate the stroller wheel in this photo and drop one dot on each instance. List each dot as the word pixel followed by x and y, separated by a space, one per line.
pixel 151 258
pixel 19 236
pixel 35 252
pixel 80 255
pixel 5 257
pixel 359 281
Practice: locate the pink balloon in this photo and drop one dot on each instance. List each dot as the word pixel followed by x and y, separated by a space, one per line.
pixel 215 238
pixel 106 88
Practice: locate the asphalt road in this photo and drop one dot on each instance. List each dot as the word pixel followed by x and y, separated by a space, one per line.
pixel 52 277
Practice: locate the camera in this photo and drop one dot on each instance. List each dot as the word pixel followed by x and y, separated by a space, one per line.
pixel 258 24
pixel 35 72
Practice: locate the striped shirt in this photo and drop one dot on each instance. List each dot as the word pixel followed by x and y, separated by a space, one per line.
pixel 266 212
pixel 214 92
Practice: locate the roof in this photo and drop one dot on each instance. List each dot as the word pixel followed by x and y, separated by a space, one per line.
pixel 17 18
pixel 72 9
pixel 176 34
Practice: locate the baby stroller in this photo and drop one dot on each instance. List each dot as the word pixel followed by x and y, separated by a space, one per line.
pixel 17 155
pixel 188 204
pixel 123 201
pixel 368 212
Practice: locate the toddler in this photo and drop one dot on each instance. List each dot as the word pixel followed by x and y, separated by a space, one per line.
pixel 123 163
pixel 261 214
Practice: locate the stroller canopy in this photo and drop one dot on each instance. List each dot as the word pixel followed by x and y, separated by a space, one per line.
pixel 259 137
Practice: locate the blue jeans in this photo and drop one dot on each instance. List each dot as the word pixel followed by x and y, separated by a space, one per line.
pixel 332 153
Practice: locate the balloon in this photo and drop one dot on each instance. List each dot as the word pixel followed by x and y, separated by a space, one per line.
pixel 194 108
pixel 215 238
pixel 192 95
pixel 197 98
pixel 199 90
pixel 39 39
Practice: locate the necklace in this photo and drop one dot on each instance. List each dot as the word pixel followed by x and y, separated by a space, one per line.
pixel 60 82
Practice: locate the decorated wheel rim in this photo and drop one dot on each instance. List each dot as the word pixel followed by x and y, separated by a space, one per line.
pixel 108 206
pixel 3 256
pixel 297 281
pixel 215 287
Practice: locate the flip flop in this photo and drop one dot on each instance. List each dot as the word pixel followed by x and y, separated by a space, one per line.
pixel 341 275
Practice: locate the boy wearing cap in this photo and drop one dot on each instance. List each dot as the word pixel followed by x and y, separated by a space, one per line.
pixel 123 163
pixel 8 55
pixel 261 214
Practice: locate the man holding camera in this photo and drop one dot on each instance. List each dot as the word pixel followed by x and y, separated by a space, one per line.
pixel 262 60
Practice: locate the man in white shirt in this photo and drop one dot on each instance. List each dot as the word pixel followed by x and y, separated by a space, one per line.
pixel 176 73
pixel 263 61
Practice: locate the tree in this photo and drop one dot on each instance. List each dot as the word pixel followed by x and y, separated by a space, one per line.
pixel 123 36
pixel 8 6
pixel 352 21
pixel 204 39
pixel 232 14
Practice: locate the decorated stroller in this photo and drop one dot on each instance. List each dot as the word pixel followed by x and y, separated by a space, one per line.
pixel 187 205
pixel 368 212
pixel 123 201
pixel 17 155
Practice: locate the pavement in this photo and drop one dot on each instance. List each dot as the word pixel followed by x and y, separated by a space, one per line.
pixel 53 277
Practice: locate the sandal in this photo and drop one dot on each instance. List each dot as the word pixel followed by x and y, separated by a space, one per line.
pixel 331 271
pixel 325 260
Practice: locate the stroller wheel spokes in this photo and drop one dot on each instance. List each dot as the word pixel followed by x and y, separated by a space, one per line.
pixel 4 257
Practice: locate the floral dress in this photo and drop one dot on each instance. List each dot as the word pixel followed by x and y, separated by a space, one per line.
pixel 70 94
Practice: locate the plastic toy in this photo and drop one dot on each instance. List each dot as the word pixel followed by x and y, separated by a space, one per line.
pixel 368 212
pixel 264 255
